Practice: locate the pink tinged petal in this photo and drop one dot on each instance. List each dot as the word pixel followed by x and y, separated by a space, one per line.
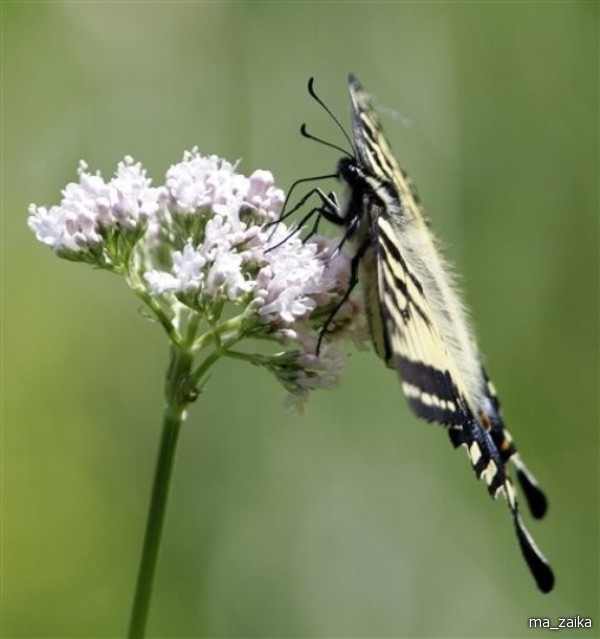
pixel 289 305
pixel 129 190
pixel 48 225
pixel 104 212
pixel 263 195
pixel 62 229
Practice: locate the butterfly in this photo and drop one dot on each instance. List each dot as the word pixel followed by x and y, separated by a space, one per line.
pixel 417 321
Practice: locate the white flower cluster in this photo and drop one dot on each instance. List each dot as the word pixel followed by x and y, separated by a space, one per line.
pixel 93 208
pixel 211 236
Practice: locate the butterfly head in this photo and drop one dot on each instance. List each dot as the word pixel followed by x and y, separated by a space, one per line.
pixel 352 178
pixel 348 172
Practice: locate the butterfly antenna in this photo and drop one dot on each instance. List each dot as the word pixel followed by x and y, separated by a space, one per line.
pixel 304 132
pixel 313 94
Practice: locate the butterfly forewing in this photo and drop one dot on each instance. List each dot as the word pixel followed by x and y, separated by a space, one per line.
pixel 375 153
pixel 431 382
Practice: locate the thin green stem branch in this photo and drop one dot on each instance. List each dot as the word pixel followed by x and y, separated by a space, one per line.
pixel 158 312
pixel 232 325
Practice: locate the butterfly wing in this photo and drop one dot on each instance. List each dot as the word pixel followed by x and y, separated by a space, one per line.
pixel 425 333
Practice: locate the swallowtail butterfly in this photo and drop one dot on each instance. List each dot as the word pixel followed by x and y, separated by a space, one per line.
pixel 417 321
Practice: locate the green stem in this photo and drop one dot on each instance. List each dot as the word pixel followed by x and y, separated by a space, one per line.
pixel 177 398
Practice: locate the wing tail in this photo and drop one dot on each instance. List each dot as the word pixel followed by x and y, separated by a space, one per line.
pixel 535 497
pixel 488 465
pixel 538 564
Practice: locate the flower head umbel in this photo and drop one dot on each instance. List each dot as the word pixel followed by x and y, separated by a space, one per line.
pixel 205 243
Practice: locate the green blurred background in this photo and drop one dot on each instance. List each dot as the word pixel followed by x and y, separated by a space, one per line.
pixel 353 519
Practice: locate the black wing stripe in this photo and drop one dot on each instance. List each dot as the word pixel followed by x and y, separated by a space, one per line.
pixel 427 378
pixel 494 471
pixel 483 458
pixel 382 161
pixel 401 298
pixel 393 253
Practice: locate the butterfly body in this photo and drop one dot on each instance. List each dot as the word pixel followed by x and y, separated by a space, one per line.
pixel 417 321
pixel 394 229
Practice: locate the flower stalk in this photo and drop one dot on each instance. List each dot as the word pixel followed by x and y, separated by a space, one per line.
pixel 174 413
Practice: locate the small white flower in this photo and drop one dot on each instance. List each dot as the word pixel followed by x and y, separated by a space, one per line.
pixel 187 275
pixel 263 195
pixel 221 232
pixel 130 196
pixel 303 371
pixel 56 228
pixel 226 274
pixel 161 283
pixel 322 371
pixel 187 267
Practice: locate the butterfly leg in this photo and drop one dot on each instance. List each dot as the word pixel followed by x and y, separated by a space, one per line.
pixel 354 263
pixel 328 208
pixel 328 202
